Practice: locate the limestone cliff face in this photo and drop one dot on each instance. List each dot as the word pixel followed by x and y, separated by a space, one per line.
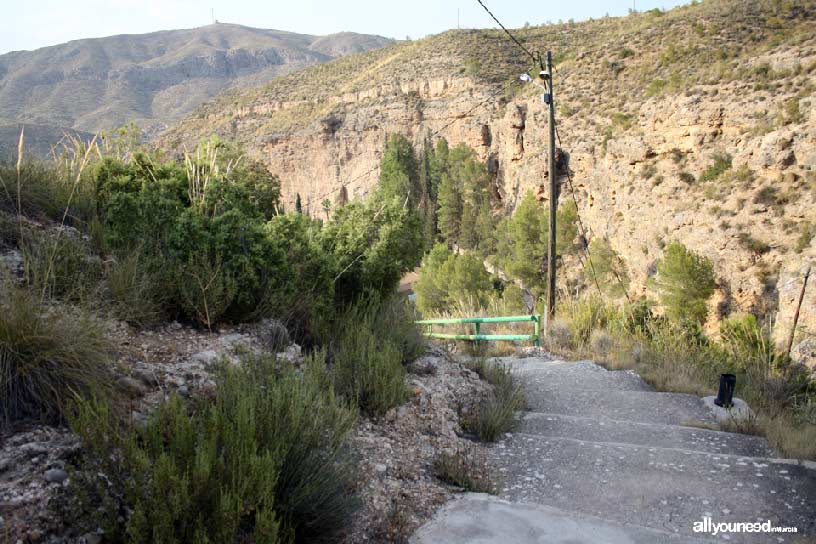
pixel 639 140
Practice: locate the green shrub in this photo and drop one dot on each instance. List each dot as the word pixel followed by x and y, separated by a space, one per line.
pixel 807 233
pixel 138 289
pixel 586 315
pixel 49 356
pixel 685 281
pixel 495 415
pixel 370 352
pixel 752 244
pixel 373 244
pixel 447 279
pixel 267 460
pixel 608 268
pixel 460 469
pixel 721 163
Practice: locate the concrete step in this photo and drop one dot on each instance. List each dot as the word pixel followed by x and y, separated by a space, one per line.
pixel 583 375
pixel 605 430
pixel 635 406
pixel 659 488
pixel 502 522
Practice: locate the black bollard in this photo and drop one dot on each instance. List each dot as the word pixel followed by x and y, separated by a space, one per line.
pixel 725 395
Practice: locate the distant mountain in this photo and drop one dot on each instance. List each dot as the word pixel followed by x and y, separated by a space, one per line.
pixel 153 79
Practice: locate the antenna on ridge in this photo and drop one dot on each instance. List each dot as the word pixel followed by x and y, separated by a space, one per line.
pixel 212 15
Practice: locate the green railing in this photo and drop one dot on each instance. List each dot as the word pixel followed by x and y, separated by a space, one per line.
pixel 477 322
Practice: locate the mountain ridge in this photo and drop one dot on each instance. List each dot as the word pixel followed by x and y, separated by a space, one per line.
pixel 96 84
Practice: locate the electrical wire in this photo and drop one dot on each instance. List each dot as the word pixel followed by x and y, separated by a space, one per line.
pixel 535 57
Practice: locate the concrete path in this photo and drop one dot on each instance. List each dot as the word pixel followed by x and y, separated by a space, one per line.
pixel 601 457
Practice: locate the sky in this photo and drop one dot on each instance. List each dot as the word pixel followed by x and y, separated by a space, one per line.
pixel 37 23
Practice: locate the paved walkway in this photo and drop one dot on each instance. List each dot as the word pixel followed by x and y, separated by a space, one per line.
pixel 601 457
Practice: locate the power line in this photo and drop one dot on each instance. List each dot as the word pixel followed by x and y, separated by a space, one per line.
pixel 536 58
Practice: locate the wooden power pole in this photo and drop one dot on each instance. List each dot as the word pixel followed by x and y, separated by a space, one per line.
pixel 553 202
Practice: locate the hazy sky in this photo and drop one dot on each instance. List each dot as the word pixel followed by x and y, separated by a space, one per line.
pixel 30 24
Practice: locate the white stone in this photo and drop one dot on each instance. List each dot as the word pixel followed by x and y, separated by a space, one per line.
pixel 738 412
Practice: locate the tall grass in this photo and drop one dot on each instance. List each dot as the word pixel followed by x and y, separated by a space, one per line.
pixel 49 357
pixel 496 413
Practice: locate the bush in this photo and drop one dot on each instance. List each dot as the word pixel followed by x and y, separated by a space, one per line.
pixel 266 461
pixel 601 342
pixel 721 163
pixel 560 334
pixel 685 280
pixel 138 290
pixel 48 357
pixel 495 415
pixel 461 470
pixel 370 352
pixel 447 279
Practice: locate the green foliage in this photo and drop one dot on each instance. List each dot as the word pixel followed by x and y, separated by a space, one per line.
pixel 721 163
pixel 60 266
pixel 807 232
pixel 523 242
pixel 369 356
pixel 466 202
pixel 685 281
pixel 49 356
pixel 137 289
pixel 372 244
pixel 447 279
pixel 460 469
pixel 608 267
pixel 267 460
pixel 495 414
pixel 399 173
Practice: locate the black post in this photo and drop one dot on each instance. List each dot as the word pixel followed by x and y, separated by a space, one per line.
pixel 725 395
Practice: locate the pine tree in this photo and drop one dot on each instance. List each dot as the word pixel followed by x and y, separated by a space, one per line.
pixel 399 174
pixel 298 205
pixel 685 281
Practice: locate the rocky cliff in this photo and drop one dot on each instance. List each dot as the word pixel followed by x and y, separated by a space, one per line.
pixel 696 124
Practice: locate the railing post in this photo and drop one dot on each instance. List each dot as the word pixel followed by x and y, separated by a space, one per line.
pixel 537 320
pixel 478 330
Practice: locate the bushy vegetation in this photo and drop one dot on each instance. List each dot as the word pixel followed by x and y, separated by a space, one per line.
pixel 496 413
pixel 685 281
pixel 49 356
pixel 266 460
pixel 673 354
pixel 462 470
pixel 370 353
pixel 721 162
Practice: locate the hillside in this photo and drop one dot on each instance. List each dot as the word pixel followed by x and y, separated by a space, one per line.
pixel 695 124
pixel 152 79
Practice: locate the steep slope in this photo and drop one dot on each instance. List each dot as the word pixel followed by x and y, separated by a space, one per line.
pixel 647 104
pixel 154 78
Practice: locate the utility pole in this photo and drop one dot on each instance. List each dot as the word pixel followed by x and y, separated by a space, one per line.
pixel 553 203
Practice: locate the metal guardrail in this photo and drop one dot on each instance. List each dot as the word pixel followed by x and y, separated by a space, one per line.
pixel 477 322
